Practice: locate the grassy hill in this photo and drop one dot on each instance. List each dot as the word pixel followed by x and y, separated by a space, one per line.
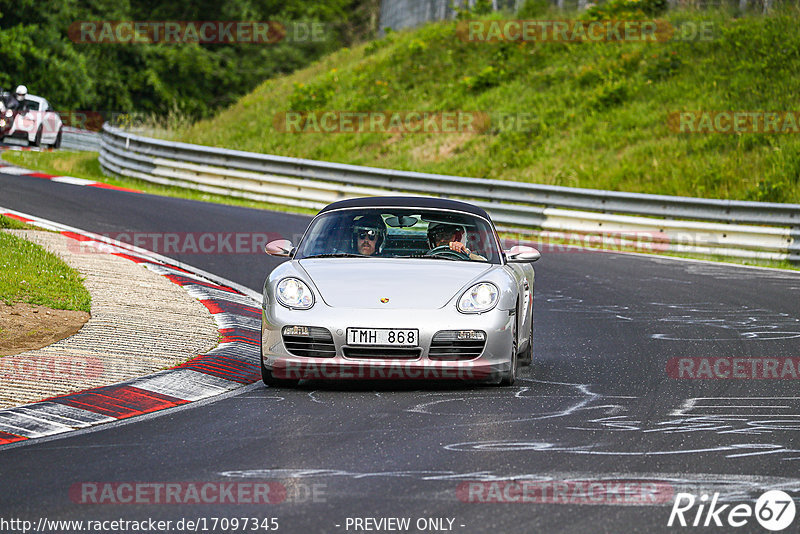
pixel 597 112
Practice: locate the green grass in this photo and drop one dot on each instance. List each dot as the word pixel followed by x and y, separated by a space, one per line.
pixel 28 273
pixel 599 109
pixel 86 165
pixel 14 224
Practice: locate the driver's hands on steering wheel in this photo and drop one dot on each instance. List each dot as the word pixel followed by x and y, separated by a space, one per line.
pixel 458 246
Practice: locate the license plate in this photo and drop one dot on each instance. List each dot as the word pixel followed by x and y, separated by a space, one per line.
pixel 383 336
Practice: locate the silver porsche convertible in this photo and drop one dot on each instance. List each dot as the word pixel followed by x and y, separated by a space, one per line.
pixel 398 288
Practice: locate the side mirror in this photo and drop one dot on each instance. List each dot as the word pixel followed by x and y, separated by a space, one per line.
pixel 280 247
pixel 522 254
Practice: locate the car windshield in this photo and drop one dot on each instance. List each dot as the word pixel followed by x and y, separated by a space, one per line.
pixel 400 233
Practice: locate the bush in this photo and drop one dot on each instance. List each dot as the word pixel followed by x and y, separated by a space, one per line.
pixel 481 7
pixel 608 95
pixel 626 10
pixel 662 66
pixel 533 9
pixel 307 97
pixel 487 78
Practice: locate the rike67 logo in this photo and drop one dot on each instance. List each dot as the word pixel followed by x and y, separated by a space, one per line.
pixel 774 510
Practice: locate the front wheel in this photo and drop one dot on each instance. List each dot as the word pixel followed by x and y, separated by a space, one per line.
pixel 526 358
pixel 37 141
pixel 57 143
pixel 509 377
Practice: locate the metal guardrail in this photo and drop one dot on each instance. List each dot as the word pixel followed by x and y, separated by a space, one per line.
pixel 709 226
pixel 77 139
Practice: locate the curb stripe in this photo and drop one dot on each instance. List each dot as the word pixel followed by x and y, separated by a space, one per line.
pixel 17 217
pixel 28 426
pixel 229 321
pixel 203 293
pixel 102 185
pixel 182 280
pixel 5 438
pixel 71 180
pixel 237 350
pixel 19 171
pixel 225 367
pixel 233 363
pixel 221 306
pixel 235 335
pixel 61 413
pixel 120 401
pixel 185 384
pixel 163 269
pixel 77 237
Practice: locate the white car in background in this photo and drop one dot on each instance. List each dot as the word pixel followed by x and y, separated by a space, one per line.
pixel 40 126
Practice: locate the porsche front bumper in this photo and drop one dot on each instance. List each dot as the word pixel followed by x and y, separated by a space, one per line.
pixel 342 361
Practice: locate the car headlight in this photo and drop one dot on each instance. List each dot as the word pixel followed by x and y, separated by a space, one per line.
pixel 294 293
pixel 2 122
pixel 479 298
pixel 9 113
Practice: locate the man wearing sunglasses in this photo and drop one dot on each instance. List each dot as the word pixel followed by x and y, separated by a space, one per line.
pixel 452 235
pixel 369 234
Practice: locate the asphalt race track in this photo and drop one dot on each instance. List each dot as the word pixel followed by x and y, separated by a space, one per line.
pixel 597 406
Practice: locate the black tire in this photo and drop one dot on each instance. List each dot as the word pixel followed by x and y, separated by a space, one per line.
pixel 508 378
pixel 526 356
pixel 57 143
pixel 37 141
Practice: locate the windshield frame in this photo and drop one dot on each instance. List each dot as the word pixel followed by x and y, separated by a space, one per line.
pixel 500 260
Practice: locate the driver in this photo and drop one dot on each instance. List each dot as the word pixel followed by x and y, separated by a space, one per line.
pixel 452 235
pixel 17 101
pixel 369 234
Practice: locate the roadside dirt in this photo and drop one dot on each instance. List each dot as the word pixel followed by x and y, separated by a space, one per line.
pixel 27 327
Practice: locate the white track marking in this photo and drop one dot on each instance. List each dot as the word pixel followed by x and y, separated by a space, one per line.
pixel 72 180
pixel 185 384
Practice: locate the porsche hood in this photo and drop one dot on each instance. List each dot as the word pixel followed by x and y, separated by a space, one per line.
pixel 368 283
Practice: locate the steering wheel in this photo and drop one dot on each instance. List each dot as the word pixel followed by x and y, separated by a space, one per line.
pixel 446 252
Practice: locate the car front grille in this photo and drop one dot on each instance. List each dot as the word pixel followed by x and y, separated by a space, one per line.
pixel 384 353
pixel 317 344
pixel 447 347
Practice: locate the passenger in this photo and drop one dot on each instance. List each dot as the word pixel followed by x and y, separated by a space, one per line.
pixel 452 235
